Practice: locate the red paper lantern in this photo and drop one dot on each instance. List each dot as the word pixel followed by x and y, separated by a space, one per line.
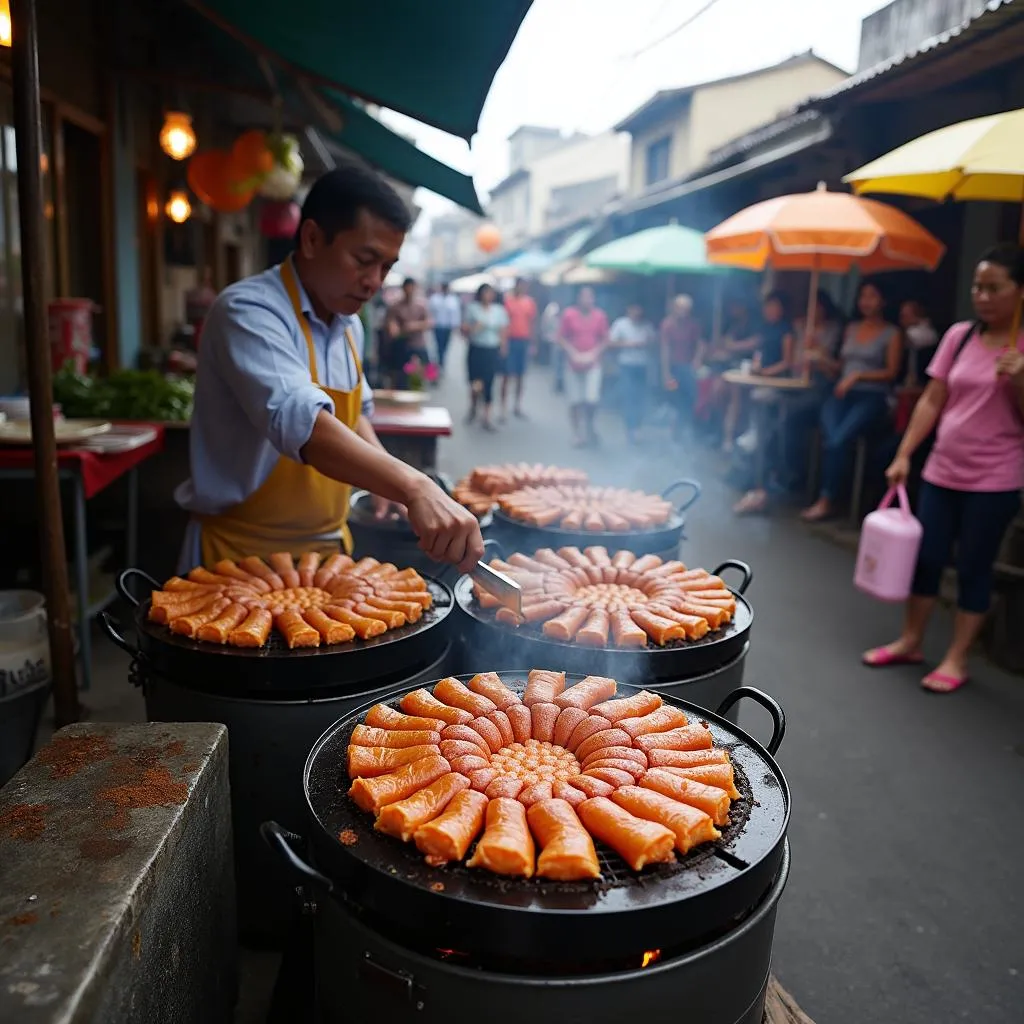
pixel 279 220
pixel 213 178
pixel 488 238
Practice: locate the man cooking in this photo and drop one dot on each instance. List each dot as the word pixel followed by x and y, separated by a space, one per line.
pixel 280 430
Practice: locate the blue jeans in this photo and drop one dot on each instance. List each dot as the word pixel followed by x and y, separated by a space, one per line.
pixel 843 421
pixel 975 522
pixel 632 394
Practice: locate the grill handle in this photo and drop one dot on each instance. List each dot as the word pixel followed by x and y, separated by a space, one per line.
pixel 735 563
pixel 770 705
pixel 112 631
pixel 280 840
pixel 494 547
pixel 684 505
pixel 122 585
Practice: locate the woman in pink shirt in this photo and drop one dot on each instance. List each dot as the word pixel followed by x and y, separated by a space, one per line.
pixel 973 477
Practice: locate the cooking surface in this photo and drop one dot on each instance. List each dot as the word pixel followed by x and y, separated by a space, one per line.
pixel 740 623
pixel 757 823
pixel 277 647
pixel 673 522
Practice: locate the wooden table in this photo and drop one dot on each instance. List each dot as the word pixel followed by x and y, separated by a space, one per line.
pixel 88 473
pixel 411 432
pixel 782 385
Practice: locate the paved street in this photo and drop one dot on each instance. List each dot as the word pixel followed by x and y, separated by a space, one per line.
pixel 905 898
pixel 904 902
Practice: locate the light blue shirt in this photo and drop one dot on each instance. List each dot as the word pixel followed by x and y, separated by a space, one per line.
pixel 255 399
pixel 486 324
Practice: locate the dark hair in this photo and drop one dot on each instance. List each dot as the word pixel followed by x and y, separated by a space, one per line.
pixel 781 299
pixel 826 303
pixel 484 287
pixel 336 198
pixel 1009 256
pixel 870 282
pixel 409 281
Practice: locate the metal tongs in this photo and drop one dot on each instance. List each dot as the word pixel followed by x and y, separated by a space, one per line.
pixel 498 585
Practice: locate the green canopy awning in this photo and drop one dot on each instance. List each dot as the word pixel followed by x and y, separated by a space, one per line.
pixel 670 248
pixel 432 61
pixel 399 158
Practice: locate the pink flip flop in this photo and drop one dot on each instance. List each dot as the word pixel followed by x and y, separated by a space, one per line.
pixel 882 657
pixel 942 682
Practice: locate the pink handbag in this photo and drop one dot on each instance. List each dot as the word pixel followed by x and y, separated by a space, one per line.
pixel 887 555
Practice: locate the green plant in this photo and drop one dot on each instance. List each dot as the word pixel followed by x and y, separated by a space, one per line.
pixel 123 395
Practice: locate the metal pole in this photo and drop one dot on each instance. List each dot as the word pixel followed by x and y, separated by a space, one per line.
pixel 28 135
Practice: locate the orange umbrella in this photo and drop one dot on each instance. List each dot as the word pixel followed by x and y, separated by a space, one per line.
pixel 823 231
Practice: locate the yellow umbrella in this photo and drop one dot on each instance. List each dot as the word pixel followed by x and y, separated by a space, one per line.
pixel 978 159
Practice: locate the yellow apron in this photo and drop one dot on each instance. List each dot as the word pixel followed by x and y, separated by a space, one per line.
pixel 296 507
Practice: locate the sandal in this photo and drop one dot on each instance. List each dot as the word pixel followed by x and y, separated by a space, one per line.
pixel 751 503
pixel 942 682
pixel 885 657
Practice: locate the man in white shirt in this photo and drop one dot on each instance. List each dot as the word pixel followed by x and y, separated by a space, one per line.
pixel 446 312
pixel 632 337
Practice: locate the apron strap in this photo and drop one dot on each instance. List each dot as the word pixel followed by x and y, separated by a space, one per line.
pixel 291 285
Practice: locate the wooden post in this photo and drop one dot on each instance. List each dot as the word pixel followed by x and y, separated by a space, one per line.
pixel 716 316
pixel 28 129
pixel 812 315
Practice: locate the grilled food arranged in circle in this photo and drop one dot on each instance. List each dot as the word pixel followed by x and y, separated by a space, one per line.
pixel 595 599
pixel 309 602
pixel 587 508
pixel 479 490
pixel 533 780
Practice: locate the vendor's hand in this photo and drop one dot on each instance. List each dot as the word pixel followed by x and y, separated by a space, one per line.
pixel 383 508
pixel 898 471
pixel 447 531
pixel 1010 364
pixel 842 389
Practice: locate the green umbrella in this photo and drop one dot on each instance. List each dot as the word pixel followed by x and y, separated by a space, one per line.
pixel 669 249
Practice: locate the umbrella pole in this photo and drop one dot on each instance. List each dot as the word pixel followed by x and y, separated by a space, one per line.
pixel 716 321
pixel 812 313
pixel 28 146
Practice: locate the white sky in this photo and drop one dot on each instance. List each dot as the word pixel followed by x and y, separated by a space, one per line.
pixel 572 66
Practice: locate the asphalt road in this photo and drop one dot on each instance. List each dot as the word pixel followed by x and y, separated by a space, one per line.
pixel 905 901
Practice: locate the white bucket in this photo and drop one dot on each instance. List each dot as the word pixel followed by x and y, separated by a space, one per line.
pixel 24 644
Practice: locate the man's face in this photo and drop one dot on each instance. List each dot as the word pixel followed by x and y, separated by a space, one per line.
pixel 586 299
pixel 349 271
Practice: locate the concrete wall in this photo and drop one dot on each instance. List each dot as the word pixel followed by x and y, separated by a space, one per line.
pixel 905 24
pixel 589 159
pixel 676 125
pixel 722 112
pixel 511 211
pixel 529 143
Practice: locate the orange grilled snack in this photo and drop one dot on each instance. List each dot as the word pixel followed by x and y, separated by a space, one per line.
pixel 368 736
pixel 373 794
pixel 685 758
pixel 585 694
pixel 309 603
pixel 423 703
pixel 689 737
pixel 720 775
pixel 640 704
pixel 709 799
pixel 368 762
pixel 660 720
pixel 506 847
pixel 448 836
pixel 402 818
pixel 380 716
pixel 637 841
pixel 457 695
pixel 689 825
pixel 543 686
pixel 488 685
pixel 567 851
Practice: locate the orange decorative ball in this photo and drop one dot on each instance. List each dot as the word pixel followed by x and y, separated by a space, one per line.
pixel 488 238
pixel 214 179
pixel 250 156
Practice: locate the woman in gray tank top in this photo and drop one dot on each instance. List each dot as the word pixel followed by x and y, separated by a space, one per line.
pixel 868 363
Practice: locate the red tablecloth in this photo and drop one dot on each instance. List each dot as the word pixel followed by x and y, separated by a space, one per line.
pixel 97 471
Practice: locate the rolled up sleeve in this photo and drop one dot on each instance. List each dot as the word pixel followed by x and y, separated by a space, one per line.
pixel 266 372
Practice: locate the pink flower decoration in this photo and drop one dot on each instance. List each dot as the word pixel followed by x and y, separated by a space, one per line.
pixel 431 372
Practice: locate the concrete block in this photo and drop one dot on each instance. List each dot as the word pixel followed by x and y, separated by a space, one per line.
pixel 116 885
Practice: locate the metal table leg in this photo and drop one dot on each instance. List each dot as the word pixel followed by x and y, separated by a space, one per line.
pixel 82 579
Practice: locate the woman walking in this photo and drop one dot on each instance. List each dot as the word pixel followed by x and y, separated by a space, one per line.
pixel 486 328
pixel 869 362
pixel 973 477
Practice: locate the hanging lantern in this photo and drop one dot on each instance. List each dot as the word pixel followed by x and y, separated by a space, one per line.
pixel 177 137
pixel 211 175
pixel 284 178
pixel 279 220
pixel 488 238
pixel 5 23
pixel 178 208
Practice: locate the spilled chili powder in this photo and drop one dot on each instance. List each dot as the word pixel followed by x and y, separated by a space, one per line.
pixel 23 821
pixel 30 917
pixel 347 837
pixel 103 848
pixel 155 787
pixel 68 755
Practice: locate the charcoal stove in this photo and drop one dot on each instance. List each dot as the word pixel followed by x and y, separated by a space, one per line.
pixel 275 702
pixel 400 940
pixel 663 539
pixel 701 671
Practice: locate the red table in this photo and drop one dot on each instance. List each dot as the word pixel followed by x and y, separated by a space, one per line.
pixel 411 432
pixel 88 473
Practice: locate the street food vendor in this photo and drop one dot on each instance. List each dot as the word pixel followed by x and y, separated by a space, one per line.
pixel 281 428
